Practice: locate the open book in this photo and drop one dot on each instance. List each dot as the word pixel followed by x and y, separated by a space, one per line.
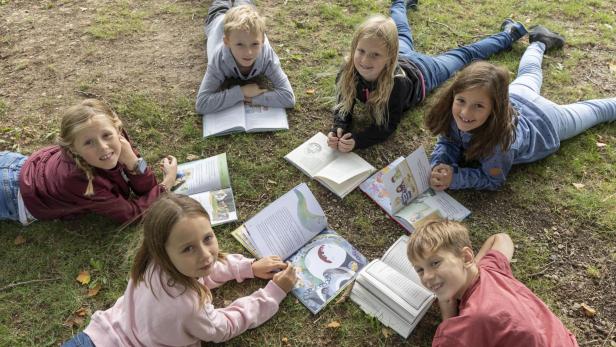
pixel 244 117
pixel 402 189
pixel 294 227
pixel 390 290
pixel 339 172
pixel 207 181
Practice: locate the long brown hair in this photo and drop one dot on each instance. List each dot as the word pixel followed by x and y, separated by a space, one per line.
pixel 158 222
pixel 383 29
pixel 499 128
pixel 77 118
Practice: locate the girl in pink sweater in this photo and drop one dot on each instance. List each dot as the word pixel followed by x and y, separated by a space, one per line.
pixel 168 299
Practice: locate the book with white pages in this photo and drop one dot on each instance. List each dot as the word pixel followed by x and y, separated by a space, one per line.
pixel 207 181
pixel 295 228
pixel 390 290
pixel 339 172
pixel 402 190
pixel 244 117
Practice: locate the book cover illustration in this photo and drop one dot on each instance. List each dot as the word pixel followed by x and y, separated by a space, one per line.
pixel 325 266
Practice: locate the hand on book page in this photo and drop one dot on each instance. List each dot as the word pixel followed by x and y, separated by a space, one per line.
pixel 267 267
pixel 286 279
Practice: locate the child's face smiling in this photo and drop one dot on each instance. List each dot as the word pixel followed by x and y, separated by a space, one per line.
pixel 98 143
pixel 245 46
pixel 370 58
pixel 471 108
pixel 192 246
pixel 444 273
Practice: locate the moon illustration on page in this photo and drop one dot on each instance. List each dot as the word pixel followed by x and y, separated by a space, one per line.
pixel 324 257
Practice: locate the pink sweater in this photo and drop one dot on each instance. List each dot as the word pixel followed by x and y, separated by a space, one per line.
pixel 141 318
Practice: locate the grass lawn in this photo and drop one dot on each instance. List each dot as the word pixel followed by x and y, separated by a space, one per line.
pixel 147 58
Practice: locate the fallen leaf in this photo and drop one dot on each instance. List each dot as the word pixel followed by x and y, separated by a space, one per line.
pixel 83 277
pixel 226 303
pixel 612 67
pixel 333 324
pixel 588 310
pixel 285 340
pixel 310 91
pixel 272 182
pixel 77 318
pixel 386 332
pixel 601 145
pixel 192 157
pixel 81 312
pixel 579 186
pixel 20 240
pixel 93 291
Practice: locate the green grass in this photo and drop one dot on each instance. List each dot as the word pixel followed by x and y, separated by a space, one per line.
pixel 116 20
pixel 548 218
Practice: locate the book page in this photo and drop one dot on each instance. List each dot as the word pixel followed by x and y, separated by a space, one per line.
pixel 375 188
pixel 325 266
pixel 411 293
pixel 344 188
pixel 312 155
pixel 225 121
pixel 241 235
pixel 263 118
pixel 375 307
pixel 420 166
pixel 433 205
pixel 345 167
pixel 287 224
pixel 219 204
pixel 396 257
pixel 203 175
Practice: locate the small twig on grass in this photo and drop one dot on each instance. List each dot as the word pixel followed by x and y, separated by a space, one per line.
pixel 89 95
pixel 28 282
pixel 545 268
pixel 609 336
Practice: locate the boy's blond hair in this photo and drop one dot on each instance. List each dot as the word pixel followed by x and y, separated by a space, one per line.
pixel 435 235
pixel 243 18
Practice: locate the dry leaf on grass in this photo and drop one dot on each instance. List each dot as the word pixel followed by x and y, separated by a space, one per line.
pixel 192 157
pixel 310 91
pixel 20 240
pixel 589 311
pixel 83 277
pixel 94 290
pixel 77 318
pixel 600 144
pixel 612 68
pixel 579 186
pixel 386 332
pixel 333 324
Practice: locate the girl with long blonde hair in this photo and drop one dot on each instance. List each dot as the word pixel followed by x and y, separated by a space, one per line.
pixel 385 74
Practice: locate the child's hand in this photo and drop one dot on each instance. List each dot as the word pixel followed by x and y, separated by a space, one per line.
pixel 441 176
pixel 169 165
pixel 127 156
pixel 346 143
pixel 286 279
pixel 266 267
pixel 332 139
pixel 251 90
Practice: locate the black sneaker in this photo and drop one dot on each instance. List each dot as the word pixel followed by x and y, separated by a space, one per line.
pixel 412 4
pixel 515 29
pixel 552 40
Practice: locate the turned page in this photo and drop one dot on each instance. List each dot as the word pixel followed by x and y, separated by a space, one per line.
pixel 313 155
pixel 203 175
pixel 287 224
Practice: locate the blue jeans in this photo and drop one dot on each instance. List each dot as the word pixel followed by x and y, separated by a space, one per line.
pixel 214 22
pixel 568 120
pixel 438 69
pixel 79 340
pixel 10 165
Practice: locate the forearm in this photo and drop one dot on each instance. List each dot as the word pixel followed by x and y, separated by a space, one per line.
pixel 210 102
pixel 234 266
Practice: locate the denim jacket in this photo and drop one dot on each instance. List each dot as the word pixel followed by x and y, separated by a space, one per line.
pixel 535 138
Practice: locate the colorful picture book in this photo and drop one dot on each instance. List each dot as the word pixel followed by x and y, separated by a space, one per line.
pixel 244 117
pixel 207 181
pixel 339 172
pixel 402 189
pixel 294 227
pixel 390 290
